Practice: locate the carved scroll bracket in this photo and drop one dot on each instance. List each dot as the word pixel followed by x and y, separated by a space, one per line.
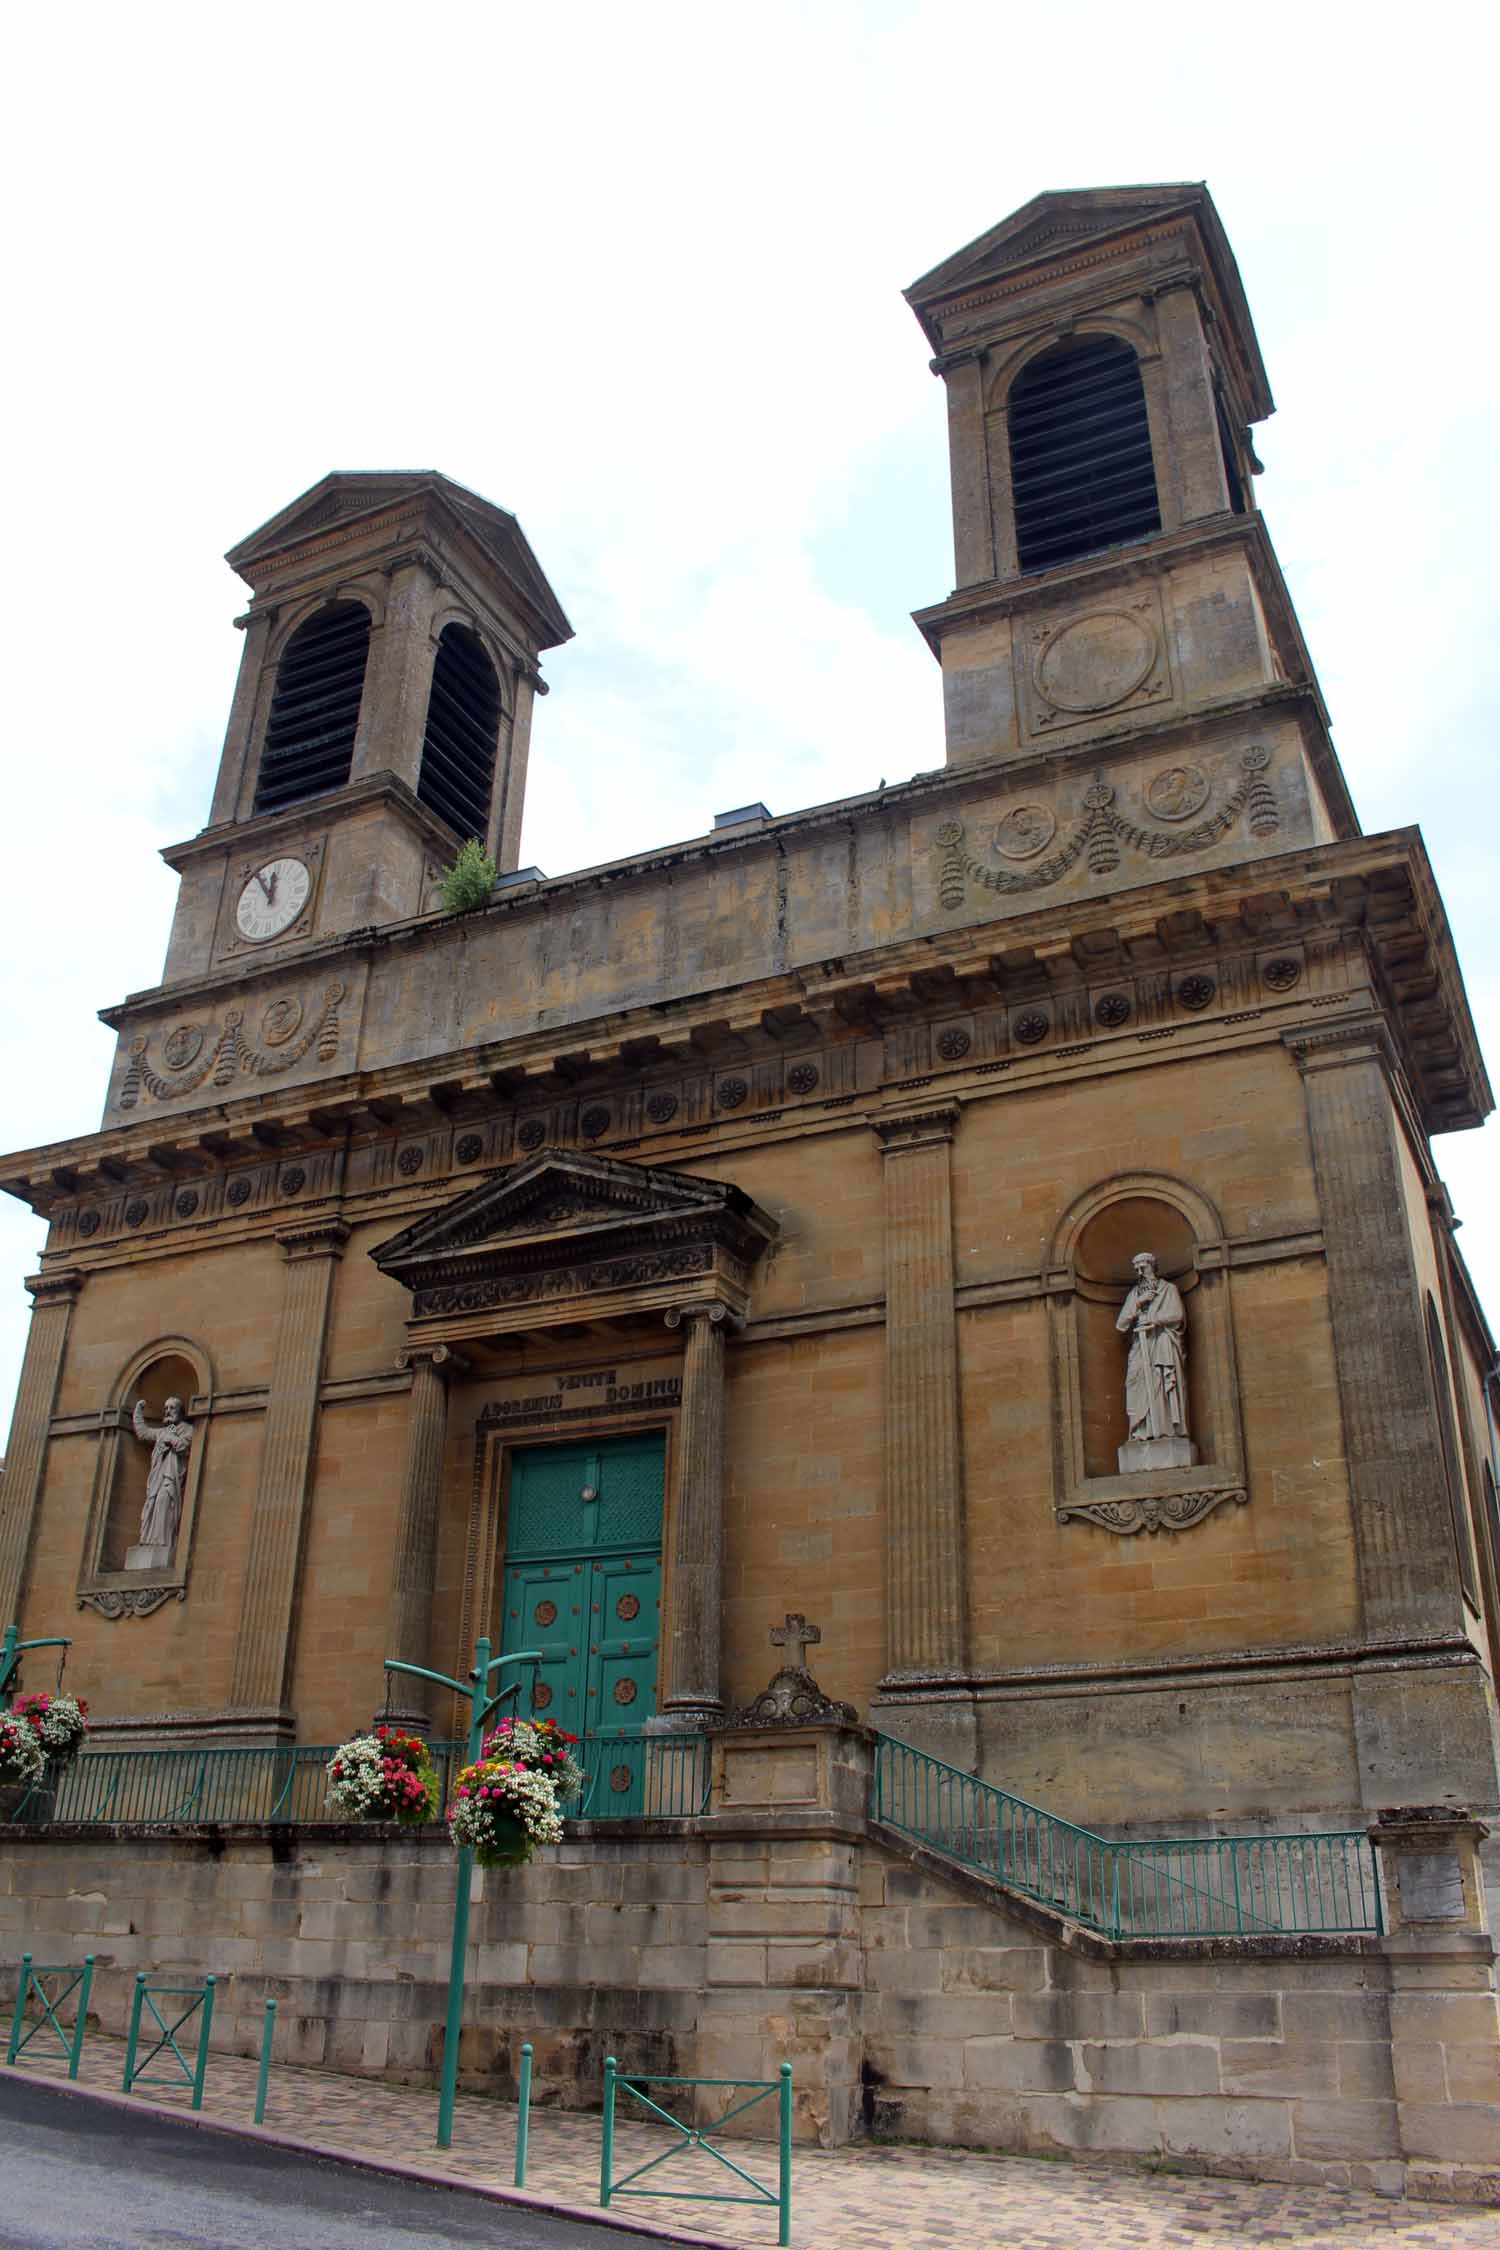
pixel 1168 1511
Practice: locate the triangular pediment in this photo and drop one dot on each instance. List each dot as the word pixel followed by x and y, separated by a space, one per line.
pixel 563 1200
pixel 1061 223
pixel 346 496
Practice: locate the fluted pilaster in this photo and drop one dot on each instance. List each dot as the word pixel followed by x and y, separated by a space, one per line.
pixel 263 1652
pixel 695 1563
pixel 52 1296
pixel 1403 1527
pixel 414 1561
pixel 926 1626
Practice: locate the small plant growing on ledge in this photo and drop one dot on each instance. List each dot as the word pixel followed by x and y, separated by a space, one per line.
pixel 469 880
pixel 60 1722
pixel 386 1775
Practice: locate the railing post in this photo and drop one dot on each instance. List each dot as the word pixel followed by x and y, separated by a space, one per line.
pixel 1234 1869
pixel 784 2169
pixel 80 2020
pixel 267 2035
pixel 206 2012
pixel 135 2027
pixel 523 2113
pixel 607 2135
pixel 22 1989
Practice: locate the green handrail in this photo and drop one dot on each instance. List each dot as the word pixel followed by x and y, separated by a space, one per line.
pixel 1168 1886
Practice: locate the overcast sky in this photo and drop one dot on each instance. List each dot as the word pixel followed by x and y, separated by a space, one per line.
pixel 635 273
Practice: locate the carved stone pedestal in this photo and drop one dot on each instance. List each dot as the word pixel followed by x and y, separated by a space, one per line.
pixel 1445 2018
pixel 785 1967
pixel 1137 1454
pixel 147 1558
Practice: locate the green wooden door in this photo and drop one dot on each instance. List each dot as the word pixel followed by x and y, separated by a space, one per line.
pixel 583 1585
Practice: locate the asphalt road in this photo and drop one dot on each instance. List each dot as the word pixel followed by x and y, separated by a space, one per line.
pixel 80 2175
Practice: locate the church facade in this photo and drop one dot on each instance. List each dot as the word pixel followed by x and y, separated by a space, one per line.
pixel 995 1215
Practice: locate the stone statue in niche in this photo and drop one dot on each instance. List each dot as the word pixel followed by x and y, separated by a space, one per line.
pixel 1156 1399
pixel 170 1441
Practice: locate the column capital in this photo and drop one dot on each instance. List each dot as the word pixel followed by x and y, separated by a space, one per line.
pixel 441 1358
pixel 915 1128
pixel 1334 1046
pixel 59 1286
pixel 317 1238
pixel 716 1315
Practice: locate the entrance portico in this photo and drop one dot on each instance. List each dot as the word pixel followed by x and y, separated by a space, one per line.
pixel 571 1246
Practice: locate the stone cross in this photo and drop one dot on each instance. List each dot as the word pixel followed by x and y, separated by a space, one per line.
pixel 796 1636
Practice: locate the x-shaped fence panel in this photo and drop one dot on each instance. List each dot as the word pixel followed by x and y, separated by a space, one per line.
pixel 691 2138
pixel 200 2002
pixel 70 2043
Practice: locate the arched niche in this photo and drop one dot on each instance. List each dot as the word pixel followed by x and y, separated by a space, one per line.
pixel 112 1578
pixel 1089 1274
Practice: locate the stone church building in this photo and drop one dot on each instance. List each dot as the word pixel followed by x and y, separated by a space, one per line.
pixel 995 1215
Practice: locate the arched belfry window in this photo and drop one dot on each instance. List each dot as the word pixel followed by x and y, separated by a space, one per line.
pixel 1082 476
pixel 463 725
pixel 315 710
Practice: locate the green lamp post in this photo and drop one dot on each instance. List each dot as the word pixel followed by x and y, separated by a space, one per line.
pixel 482 1706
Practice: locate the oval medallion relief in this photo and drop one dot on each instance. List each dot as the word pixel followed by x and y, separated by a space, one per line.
pixel 1096 662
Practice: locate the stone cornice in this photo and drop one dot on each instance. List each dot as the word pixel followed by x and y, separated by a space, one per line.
pixel 1355 926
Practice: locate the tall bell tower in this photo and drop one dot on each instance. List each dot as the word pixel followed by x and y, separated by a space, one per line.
pixel 1113 580
pixel 381 717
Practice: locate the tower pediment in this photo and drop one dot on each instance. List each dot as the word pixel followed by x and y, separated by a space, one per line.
pixel 347 501
pixel 1060 225
pixel 564 1225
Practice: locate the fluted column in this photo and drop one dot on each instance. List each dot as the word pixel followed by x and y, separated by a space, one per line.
pixel 52 1296
pixel 695 1563
pixel 1398 1495
pixel 263 1652
pixel 926 1626
pixel 414 1562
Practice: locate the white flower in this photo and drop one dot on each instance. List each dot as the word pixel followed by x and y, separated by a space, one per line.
pixel 22 1757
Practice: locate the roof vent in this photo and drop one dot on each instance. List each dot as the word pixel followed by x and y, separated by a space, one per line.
pixel 741 814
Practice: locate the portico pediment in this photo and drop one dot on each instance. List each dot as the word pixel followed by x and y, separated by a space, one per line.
pixel 577 1236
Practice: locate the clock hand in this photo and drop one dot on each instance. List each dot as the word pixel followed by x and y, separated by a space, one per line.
pixel 265 886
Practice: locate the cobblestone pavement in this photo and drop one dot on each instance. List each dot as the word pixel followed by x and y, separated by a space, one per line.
pixel 853 2199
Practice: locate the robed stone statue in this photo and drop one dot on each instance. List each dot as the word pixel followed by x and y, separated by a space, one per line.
pixel 1156 1400
pixel 170 1441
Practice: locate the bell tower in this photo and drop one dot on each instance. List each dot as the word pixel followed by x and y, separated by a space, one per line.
pixel 1113 579
pixel 381 717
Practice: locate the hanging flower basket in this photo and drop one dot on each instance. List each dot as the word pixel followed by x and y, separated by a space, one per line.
pixel 509 1800
pixel 386 1775
pixel 502 1811
pixel 60 1723
pixel 542 1746
pixel 22 1758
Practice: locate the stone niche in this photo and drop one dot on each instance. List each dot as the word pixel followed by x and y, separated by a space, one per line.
pixel 110 1577
pixel 1089 1276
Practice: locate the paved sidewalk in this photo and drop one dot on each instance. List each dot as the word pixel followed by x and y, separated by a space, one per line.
pixel 853 2199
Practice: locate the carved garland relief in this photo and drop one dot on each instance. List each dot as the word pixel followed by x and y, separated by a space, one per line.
pixel 1100 834
pixel 234 1053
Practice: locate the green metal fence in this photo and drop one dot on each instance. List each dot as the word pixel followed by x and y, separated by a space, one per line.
pixel 630 1774
pixel 1157 1887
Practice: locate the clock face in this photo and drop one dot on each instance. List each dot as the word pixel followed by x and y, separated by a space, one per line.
pixel 272 899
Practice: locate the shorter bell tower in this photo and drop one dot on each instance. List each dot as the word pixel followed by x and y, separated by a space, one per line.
pixel 381 717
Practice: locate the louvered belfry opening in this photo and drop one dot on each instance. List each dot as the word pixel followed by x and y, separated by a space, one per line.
pixel 1082 476
pixel 315 710
pixel 463 725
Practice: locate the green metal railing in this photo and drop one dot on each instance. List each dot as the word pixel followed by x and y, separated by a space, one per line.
pixel 700 2140
pixel 1156 1887
pixel 198 1999
pixel 31 1984
pixel 630 1774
